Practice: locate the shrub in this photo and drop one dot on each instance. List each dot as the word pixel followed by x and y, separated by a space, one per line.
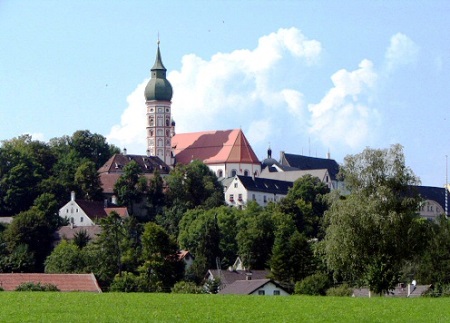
pixel 126 282
pixel 440 290
pixel 316 284
pixel 183 287
pixel 342 290
pixel 36 287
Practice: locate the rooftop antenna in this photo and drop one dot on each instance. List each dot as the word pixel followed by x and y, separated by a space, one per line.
pixel 309 146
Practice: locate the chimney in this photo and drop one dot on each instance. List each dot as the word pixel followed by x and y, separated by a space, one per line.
pixel 248 276
pixel 124 151
pixel 72 196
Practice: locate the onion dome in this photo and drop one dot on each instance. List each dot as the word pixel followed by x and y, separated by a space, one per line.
pixel 158 88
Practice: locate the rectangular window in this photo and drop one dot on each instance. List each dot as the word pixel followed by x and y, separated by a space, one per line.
pixel 240 197
pixel 231 197
pixel 265 199
pixel 253 197
pixel 261 292
pixel 276 292
pixel 81 219
pixel 235 185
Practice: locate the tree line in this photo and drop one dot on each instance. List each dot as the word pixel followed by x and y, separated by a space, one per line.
pixel 370 236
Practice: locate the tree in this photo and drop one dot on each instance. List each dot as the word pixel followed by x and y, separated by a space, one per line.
pixel 374 229
pixel 190 186
pixel 155 196
pixel 305 202
pixel 88 180
pixel 255 236
pixel 66 258
pixel 130 186
pixel 161 268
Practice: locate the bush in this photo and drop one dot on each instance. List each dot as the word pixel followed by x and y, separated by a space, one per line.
pixel 316 284
pixel 183 287
pixel 36 287
pixel 342 290
pixel 440 290
pixel 126 282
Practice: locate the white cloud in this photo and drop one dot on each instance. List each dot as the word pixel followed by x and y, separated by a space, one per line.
pixel 38 136
pixel 401 51
pixel 230 90
pixel 344 117
pixel 130 133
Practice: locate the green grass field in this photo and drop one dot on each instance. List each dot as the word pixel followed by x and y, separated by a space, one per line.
pixel 115 307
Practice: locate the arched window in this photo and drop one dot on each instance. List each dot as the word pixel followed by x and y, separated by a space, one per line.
pixel 233 173
pixel 246 172
pixel 152 122
pixel 219 173
pixel 167 122
pixel 160 142
pixel 159 132
pixel 160 122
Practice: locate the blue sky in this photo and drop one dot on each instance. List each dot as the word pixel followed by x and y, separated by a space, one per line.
pixel 306 77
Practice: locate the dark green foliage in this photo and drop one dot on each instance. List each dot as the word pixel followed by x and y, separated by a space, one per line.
pixel 343 290
pixel 88 181
pixel 81 239
pixel 184 287
pixel 316 284
pixel 66 258
pixel 36 287
pixel 434 264
pixel 155 196
pixel 255 236
pixel 130 186
pixel 212 286
pixel 438 290
pixel 190 186
pixel 306 204
pixel 126 282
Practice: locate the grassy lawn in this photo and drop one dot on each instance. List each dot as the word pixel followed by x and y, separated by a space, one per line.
pixel 114 307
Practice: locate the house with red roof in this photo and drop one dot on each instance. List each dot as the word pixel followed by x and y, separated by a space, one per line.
pixel 226 152
pixel 88 213
pixel 64 282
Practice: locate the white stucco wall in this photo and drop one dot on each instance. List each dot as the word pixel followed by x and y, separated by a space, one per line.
pixel 75 214
pixel 269 289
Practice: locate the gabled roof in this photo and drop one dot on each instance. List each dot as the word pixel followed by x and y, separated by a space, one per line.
pixel 110 172
pixel 246 287
pixel 213 147
pixel 64 282
pixel 96 209
pixel 230 276
pixel 307 163
pixel 265 185
pixel 148 164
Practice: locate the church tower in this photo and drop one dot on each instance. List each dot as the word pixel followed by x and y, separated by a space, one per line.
pixel 158 96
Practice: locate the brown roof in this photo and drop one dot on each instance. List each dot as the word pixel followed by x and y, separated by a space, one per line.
pixel 97 210
pixel 213 147
pixel 64 282
pixel 110 172
pixel 68 232
pixel 246 287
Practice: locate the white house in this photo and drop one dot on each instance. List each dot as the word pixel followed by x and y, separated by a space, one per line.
pixel 254 287
pixel 239 190
pixel 87 213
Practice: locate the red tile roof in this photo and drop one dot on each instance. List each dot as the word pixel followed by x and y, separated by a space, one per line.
pixel 64 282
pixel 97 210
pixel 213 147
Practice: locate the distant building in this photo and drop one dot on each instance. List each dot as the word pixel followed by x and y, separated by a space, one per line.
pixel 434 203
pixel 226 152
pixel 239 190
pixel 291 167
pixel 88 213
pixel 254 287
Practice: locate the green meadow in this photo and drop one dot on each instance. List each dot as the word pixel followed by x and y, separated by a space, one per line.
pixel 120 307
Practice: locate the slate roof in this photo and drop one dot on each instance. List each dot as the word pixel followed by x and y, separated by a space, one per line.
pixel 265 185
pixel 436 194
pixel 246 287
pixel 230 276
pixel 292 176
pixel 110 172
pixel 397 292
pixel 306 163
pixel 64 282
pixel 213 147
